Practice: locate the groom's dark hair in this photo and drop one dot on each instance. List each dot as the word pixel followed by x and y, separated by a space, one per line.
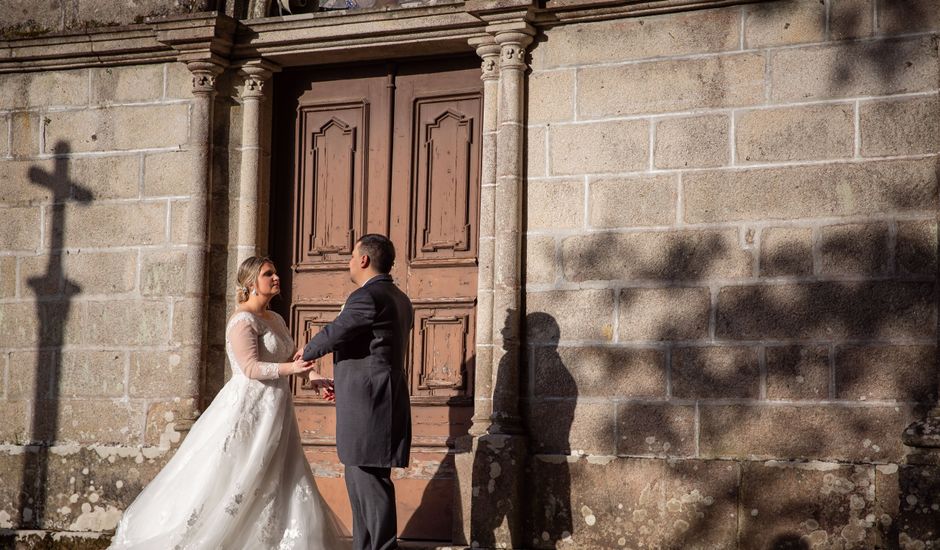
pixel 379 249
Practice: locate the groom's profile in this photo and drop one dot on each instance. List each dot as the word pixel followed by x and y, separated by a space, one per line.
pixel 369 341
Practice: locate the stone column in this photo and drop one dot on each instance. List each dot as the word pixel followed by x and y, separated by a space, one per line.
pixel 197 219
pixel 488 49
pixel 510 194
pixel 490 464
pixel 256 73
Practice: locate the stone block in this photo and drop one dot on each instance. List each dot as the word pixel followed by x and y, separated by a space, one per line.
pixel 5 143
pixel 570 315
pixel 43 323
pixel 672 313
pixel 916 248
pixel 850 19
pixel 791 432
pixel 795 504
pixel 31 374
pixel 169 174
pixel 126 84
pixel 127 323
pixel 550 97
pixel 854 69
pixel 15 427
pixel 25 131
pixel 163 273
pixel 102 273
pixel 847 189
pixel 657 429
pixel 7 276
pixel 568 426
pixel 167 422
pixel 57 88
pixel 180 230
pixel 164 373
pixel 105 177
pixel 715 373
pixel 632 503
pixel 733 80
pixel 91 374
pixel 633 201
pixel 598 372
pixel 119 128
pixel 854 249
pixel 827 310
pixel 555 204
pixel 655 256
pixel 100 421
pixel 798 372
pixel 907 16
pixel 20 230
pixel 637 38
pixel 42 276
pixel 784 23
pixel 902 373
pixel 179 81
pixel 539 260
pixel 124 224
pixel 814 132
pixel 18 186
pixel 900 127
pixel 786 251
pixel 599 147
pixel 185 317
pixel 535 152
pixel 692 142
pixel 13 90
pixel 888 498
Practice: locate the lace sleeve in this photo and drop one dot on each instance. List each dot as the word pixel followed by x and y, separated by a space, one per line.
pixel 244 339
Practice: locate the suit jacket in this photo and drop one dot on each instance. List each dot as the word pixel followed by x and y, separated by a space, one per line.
pixel 369 341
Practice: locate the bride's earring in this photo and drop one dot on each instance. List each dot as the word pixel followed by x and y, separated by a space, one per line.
pixel 254 292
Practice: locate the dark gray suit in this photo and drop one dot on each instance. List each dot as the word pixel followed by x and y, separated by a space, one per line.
pixel 369 340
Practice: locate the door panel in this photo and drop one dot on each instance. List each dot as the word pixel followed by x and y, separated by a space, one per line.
pixel 393 149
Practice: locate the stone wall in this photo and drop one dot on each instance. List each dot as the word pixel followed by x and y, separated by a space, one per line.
pixel 100 362
pixel 23 18
pixel 731 265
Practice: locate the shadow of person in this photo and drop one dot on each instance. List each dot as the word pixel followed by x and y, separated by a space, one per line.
pixel 549 417
pixel 53 293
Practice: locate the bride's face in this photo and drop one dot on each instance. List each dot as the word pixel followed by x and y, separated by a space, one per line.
pixel 268 283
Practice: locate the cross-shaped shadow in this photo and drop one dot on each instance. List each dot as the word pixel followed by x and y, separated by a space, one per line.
pixel 53 293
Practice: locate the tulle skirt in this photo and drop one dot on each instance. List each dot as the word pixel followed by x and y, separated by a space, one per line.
pixel 238 481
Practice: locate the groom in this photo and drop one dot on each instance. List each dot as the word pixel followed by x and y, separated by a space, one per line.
pixel 369 340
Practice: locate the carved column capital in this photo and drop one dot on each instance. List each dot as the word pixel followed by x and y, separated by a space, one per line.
pixel 513 48
pixel 256 73
pixel 204 76
pixel 488 50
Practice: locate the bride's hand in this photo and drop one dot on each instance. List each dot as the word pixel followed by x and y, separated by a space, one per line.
pixel 299 366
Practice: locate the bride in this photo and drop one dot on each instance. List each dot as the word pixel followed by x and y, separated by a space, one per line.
pixel 240 479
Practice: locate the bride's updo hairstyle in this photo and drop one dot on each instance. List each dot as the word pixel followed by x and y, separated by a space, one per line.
pixel 247 275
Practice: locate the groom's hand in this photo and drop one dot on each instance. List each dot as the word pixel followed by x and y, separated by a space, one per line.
pixel 299 354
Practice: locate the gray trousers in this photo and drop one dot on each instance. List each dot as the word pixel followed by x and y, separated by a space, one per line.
pixel 372 496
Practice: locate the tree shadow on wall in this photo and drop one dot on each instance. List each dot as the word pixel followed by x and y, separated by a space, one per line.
pixel 54 294
pixel 806 337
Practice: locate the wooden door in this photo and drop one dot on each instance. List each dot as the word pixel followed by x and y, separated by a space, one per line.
pixel 392 149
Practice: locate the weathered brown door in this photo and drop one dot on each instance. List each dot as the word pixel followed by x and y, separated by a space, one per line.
pixel 393 149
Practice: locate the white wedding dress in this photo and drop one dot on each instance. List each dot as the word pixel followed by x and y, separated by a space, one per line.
pixel 239 480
